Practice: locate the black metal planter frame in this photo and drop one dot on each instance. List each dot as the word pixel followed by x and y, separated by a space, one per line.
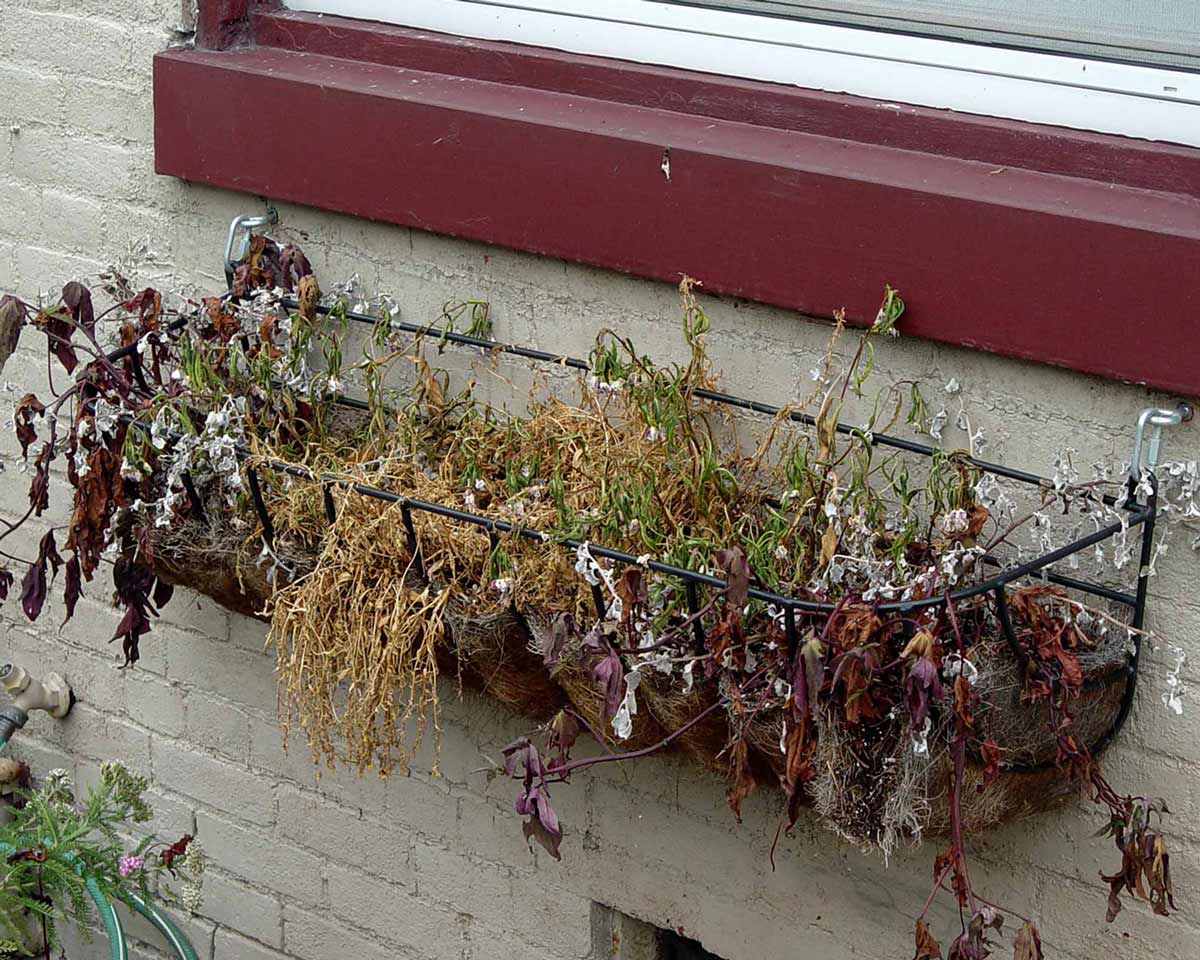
pixel 1141 514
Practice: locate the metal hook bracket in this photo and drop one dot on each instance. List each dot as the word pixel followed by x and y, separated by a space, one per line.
pixel 1147 446
pixel 238 240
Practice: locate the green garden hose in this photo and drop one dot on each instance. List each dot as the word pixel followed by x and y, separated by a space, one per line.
pixel 108 913
pixel 171 933
pixel 112 921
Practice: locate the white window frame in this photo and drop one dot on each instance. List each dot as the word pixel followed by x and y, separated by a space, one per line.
pixel 1147 102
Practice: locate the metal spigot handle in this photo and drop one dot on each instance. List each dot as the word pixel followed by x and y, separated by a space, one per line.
pixel 1154 418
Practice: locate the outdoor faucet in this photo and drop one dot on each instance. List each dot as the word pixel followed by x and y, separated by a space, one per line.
pixel 52 695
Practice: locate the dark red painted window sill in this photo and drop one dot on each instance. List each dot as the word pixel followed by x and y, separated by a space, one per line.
pixel 1069 248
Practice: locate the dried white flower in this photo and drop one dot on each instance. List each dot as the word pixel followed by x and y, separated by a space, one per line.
pixel 622 721
pixel 954 665
pixel 920 740
pixel 1172 697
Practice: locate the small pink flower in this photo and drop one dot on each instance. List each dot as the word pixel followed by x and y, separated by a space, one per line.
pixel 127 865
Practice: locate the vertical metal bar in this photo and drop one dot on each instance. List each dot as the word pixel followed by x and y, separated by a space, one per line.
pixel 1139 619
pixel 789 630
pixel 139 374
pixel 411 533
pixel 193 496
pixel 260 507
pixel 327 498
pixel 598 601
pixel 1010 634
pixel 693 602
pixel 1147 555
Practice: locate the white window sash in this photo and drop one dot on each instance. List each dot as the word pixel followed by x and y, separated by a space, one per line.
pixel 1152 103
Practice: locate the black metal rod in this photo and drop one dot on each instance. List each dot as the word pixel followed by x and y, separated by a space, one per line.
pixel 575 363
pixel 135 364
pixel 122 352
pixel 463 339
pixel 598 601
pixel 1010 634
pixel 260 507
pixel 193 497
pixel 327 499
pixel 1096 589
pixel 789 631
pixel 809 606
pixel 414 546
pixel 1138 620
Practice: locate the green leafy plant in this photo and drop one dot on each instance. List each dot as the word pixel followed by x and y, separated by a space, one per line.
pixel 55 845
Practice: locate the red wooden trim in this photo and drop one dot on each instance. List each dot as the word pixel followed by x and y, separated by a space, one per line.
pixel 221 24
pixel 1094 275
pixel 999 142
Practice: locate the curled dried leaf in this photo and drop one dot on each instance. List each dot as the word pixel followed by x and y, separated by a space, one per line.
pixel 741 777
pixel 927 947
pixel 12 318
pixel 1028 945
pixel 732 562
pixel 27 408
pixel 308 296
pixel 78 300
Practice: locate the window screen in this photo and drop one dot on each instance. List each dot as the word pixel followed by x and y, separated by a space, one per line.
pixel 1164 32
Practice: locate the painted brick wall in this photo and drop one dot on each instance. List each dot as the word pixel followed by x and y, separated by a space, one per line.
pixel 435 867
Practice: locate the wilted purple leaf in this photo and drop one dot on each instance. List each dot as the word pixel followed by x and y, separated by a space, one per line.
pixel 48 552
pixel 163 592
pixel 921 683
pixel 534 830
pixel 561 735
pixel 78 300
pixel 293 265
pixel 72 585
pixel 609 679
pixel 734 565
pixel 546 813
pixel 12 318
pixel 39 486
pixel 133 626
pixel 33 590
pixel 58 332
pixel 554 640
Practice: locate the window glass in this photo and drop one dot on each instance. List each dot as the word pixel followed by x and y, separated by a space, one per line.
pixel 1129 67
pixel 1138 31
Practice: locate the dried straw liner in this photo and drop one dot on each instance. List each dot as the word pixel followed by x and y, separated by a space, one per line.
pixel 361 640
pixel 763 733
pixel 1023 731
pixel 494 651
pixel 704 742
pixel 225 563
